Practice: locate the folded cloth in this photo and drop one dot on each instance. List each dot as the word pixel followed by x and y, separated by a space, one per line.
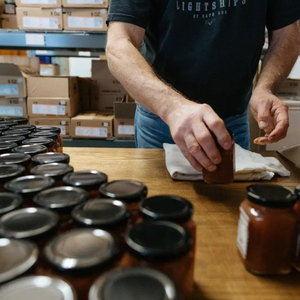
pixel 249 165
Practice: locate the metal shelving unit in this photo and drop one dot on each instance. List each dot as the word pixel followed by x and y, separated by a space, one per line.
pixel 99 143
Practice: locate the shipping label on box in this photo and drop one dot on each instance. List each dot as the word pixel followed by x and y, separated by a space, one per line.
pixel 86 3
pixel 39 3
pixel 13 107
pixel 290 87
pixel 9 22
pixel 49 70
pixel 124 119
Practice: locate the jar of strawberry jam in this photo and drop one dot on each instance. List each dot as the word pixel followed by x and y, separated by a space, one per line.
pixel 9 172
pixel 19 120
pixel 56 130
pixel 16 159
pixel 24 127
pixel 18 139
pixel 49 143
pixel 51 157
pixel 48 134
pixel 6 147
pixel 30 149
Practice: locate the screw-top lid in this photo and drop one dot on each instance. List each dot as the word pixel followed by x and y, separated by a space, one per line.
pixel 101 212
pixel 40 140
pixel 29 184
pixel 158 240
pixel 19 120
pixel 126 190
pixel 297 192
pixel 54 170
pixel 37 287
pixel 81 249
pixel 24 127
pixel 166 208
pixel 49 128
pixel 47 134
pixel 9 123
pixel 1 119
pixel 4 127
pixel 133 283
pixel 9 202
pixel 60 197
pixel 9 172
pixel 17 257
pixel 16 132
pixel 27 223
pixel 6 147
pixel 88 180
pixel 30 149
pixel 14 158
pixel 18 139
pixel 271 195
pixel 51 157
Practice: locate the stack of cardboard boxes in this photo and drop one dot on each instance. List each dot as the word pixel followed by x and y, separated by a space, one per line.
pixel 8 14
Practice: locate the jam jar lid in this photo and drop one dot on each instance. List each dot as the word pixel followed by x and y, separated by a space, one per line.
pixel 60 197
pixel 29 184
pixel 49 128
pixel 13 139
pixel 15 132
pixel 9 202
pixel 166 208
pixel 8 172
pixel 8 123
pixel 271 195
pixel 6 147
pixel 19 120
pixel 40 140
pixel 297 191
pixel 143 283
pixel 54 170
pixel 101 212
pixel 17 257
pixel 158 240
pixel 24 127
pixel 14 158
pixel 37 287
pixel 126 190
pixel 51 157
pixel 27 222
pixel 48 134
pixel 81 249
pixel 30 149
pixel 88 180
pixel 4 127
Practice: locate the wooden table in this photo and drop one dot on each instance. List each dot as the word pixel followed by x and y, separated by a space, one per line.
pixel 219 272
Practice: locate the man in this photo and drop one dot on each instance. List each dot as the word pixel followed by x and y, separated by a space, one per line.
pixel 190 65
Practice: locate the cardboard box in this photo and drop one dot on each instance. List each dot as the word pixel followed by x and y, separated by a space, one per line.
pixel 124 119
pixel 92 19
pixel 85 3
pixel 13 107
pixel 63 123
pixel 92 125
pixel 9 21
pixel 2 6
pixel 22 61
pixel 39 3
pixel 105 103
pixel 39 18
pixel 85 93
pixel 10 9
pixel 63 63
pixel 49 70
pixel 290 88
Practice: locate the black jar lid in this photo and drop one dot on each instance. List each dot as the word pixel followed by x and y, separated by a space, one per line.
pixel 18 139
pixel 60 197
pixel 297 192
pixel 126 190
pixel 17 258
pixel 14 158
pixel 28 223
pixel 19 120
pixel 40 140
pixel 143 283
pixel 16 132
pixel 88 180
pixel 49 128
pixel 166 208
pixel 47 134
pixel 30 149
pixel 9 202
pixel 6 147
pixel 1 119
pixel 101 212
pixel 8 123
pixel 29 184
pixel 271 195
pixel 4 128
pixel 54 170
pixel 81 249
pixel 8 172
pixel 37 287
pixel 158 240
pixel 24 127
pixel 51 157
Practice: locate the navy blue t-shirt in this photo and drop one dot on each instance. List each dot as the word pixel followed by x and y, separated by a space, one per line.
pixel 208 50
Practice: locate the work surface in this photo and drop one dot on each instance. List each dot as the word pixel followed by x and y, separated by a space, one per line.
pixel 219 272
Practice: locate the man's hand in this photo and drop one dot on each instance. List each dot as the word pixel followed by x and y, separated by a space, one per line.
pixel 190 124
pixel 272 116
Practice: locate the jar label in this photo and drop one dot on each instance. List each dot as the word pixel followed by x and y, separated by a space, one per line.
pixel 243 233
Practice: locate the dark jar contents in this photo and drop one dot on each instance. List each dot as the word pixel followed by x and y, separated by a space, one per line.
pixel 9 202
pixel 24 127
pixel 9 172
pixel 55 170
pixel 267 230
pixel 36 224
pixel 87 180
pixel 19 120
pixel 6 147
pixel 16 132
pixel 110 215
pixel 51 157
pixel 56 130
pixel 30 149
pixel 129 191
pixel 226 169
pixel 49 143
pixel 28 187
pixel 18 139
pixel 17 258
pixel 48 134
pixel 62 200
pixel 163 246
pixel 80 256
pixel 16 159
pixel 296 263
pixel 143 283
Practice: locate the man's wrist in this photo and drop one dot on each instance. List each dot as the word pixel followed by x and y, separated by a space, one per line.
pixel 263 90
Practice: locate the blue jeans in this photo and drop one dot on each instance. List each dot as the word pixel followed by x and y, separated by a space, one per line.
pixel 151 131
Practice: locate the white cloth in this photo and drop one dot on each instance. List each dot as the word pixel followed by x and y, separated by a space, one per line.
pixel 249 165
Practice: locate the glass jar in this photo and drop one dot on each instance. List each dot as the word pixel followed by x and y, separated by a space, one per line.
pixel 267 230
pixel 19 120
pixel 55 170
pixel 130 191
pixel 16 159
pixel 62 200
pixel 48 134
pixel 49 143
pixel 9 202
pixel 6 147
pixel 9 172
pixel 81 255
pixel 18 139
pixel 143 283
pixel 163 246
pixel 56 130
pixel 51 157
pixel 28 187
pixel 87 180
pixel 16 132
pixel 17 258
pixel 24 127
pixel 296 262
pixel 30 149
